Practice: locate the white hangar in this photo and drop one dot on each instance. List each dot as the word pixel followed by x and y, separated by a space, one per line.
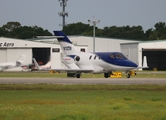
pixel 44 51
pixel 101 44
pixel 11 49
pixel 155 51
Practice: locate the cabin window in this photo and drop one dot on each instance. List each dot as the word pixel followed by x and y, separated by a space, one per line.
pixel 55 50
pixel 82 49
pixel 95 57
pixel 112 56
pixel 90 57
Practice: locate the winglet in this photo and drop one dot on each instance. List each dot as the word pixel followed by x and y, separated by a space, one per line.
pixel 36 64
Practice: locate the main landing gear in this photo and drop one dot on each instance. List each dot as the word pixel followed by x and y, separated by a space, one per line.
pixel 77 75
pixel 106 75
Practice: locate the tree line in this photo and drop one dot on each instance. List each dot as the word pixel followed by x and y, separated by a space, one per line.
pixel 15 30
pixel 124 32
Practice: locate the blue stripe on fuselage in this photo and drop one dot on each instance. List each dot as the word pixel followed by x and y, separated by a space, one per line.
pixel 106 56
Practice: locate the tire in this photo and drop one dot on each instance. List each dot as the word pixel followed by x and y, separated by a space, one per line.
pixel 128 75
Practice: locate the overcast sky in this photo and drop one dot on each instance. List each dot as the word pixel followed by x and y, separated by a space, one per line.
pixel 44 13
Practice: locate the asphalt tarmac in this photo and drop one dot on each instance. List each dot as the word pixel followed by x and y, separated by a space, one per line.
pixel 117 81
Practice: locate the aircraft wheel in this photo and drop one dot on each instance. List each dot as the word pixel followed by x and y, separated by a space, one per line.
pixel 128 75
pixel 78 75
pixel 106 75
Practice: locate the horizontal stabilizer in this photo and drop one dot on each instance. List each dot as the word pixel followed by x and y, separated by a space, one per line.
pixel 49 37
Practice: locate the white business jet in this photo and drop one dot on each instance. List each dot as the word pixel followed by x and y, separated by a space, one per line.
pixel 8 65
pixel 98 62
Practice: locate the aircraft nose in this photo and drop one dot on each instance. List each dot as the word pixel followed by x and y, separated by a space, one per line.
pixel 132 64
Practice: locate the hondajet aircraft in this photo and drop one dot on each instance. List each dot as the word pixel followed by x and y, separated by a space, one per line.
pixel 88 62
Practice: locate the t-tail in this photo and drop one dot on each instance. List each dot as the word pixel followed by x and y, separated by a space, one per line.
pixel 20 61
pixel 66 45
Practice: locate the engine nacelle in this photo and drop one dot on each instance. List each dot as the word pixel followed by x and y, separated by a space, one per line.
pixel 77 58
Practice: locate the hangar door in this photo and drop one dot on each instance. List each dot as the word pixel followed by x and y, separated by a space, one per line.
pixel 156 58
pixel 14 53
pixel 130 51
pixel 3 53
pixel 42 55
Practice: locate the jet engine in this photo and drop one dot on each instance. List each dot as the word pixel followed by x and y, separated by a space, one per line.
pixel 77 58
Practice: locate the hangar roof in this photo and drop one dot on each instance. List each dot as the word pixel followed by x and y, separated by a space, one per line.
pixel 13 42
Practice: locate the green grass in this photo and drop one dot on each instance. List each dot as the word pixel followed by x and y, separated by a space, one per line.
pixel 82 102
pixel 145 74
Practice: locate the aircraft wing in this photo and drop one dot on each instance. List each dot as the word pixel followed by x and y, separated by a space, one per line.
pixel 59 70
pixel 68 70
pixel 5 67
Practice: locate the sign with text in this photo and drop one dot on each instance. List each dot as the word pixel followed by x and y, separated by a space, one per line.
pixel 6 44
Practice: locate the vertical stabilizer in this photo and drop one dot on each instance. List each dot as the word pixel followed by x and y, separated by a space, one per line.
pixel 20 60
pixel 66 45
pixel 36 64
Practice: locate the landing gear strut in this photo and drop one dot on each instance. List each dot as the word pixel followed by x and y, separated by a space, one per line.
pixel 129 73
pixel 106 75
pixel 78 75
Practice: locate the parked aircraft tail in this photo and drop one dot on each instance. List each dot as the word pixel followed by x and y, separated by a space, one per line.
pixel 65 43
pixel 20 60
pixel 46 66
pixel 36 64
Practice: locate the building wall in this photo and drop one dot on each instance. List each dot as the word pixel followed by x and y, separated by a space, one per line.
pixel 150 46
pixel 11 49
pixel 101 44
pixel 134 52
pixel 130 50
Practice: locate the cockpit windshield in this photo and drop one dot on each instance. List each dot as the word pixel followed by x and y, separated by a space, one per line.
pixel 117 55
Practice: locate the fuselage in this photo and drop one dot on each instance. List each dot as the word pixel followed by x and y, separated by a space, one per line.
pixel 7 65
pixel 101 62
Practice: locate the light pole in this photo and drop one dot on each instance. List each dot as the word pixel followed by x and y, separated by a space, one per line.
pixel 62 14
pixel 94 22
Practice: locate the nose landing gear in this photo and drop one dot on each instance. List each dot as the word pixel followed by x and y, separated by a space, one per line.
pixel 129 73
